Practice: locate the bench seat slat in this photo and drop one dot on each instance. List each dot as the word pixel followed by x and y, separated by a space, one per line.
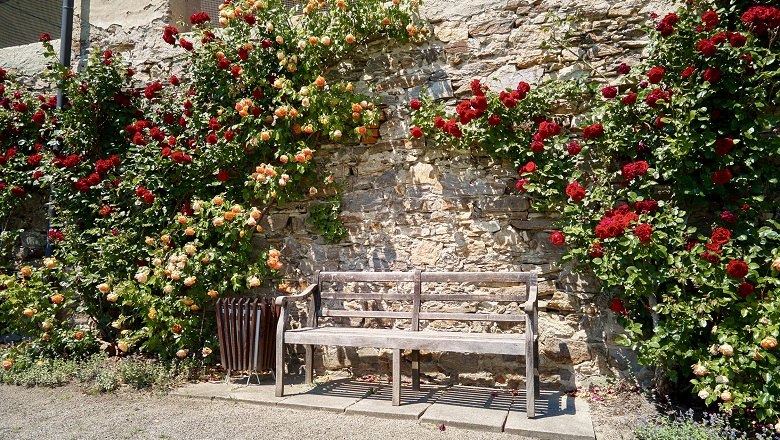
pixel 496 343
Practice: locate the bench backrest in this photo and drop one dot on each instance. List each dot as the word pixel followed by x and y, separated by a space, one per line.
pixel 417 295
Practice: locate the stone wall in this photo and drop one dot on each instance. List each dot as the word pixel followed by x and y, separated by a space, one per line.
pixel 415 205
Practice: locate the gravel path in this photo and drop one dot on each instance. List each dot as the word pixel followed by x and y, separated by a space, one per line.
pixel 68 413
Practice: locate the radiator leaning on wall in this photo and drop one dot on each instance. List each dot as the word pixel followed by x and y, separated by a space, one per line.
pixel 247 332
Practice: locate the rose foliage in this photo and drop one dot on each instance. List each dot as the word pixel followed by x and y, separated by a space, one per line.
pixel 668 196
pixel 158 189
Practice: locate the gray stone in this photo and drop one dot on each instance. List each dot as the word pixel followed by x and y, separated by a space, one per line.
pixel 491 27
pixel 334 396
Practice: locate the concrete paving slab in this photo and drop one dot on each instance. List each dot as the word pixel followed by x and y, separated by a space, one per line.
pixel 485 409
pixel 558 417
pixel 413 403
pixel 258 393
pixel 334 396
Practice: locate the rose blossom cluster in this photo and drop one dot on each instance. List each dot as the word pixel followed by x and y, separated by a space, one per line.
pixel 615 222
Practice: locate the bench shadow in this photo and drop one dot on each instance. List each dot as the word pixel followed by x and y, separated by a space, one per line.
pixel 345 388
pixel 548 404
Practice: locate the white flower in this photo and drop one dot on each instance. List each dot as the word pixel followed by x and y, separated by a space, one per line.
pixel 721 379
pixel 726 350
pixel 168 288
pixel 704 394
pixel 142 276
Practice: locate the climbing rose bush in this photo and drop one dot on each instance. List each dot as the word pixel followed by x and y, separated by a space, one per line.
pixel 668 196
pixel 160 189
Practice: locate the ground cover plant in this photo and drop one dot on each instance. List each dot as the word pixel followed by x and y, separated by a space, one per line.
pixel 158 189
pixel 668 195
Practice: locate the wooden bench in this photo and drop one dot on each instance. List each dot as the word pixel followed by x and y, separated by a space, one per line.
pixel 414 338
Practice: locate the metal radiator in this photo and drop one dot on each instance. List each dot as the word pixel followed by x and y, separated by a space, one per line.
pixel 247 333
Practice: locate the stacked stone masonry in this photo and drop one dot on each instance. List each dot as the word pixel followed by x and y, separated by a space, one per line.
pixel 411 205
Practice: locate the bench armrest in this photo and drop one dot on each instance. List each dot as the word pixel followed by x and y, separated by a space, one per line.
pixel 532 301
pixel 282 301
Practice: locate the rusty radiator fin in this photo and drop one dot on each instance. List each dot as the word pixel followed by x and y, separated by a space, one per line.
pixel 246 330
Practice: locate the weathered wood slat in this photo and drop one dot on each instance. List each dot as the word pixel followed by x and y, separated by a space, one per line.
pixel 446 316
pixel 366 314
pixel 475 277
pixel 477 297
pixel 356 277
pixel 366 296
pixel 497 343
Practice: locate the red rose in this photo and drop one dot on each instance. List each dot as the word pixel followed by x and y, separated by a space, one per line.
pixel 439 122
pixel 728 217
pixel 44 37
pixel 415 104
pixel 737 269
pixel 759 19
pixel 666 26
pixel 224 64
pixel 596 251
pixel 710 257
pixel 250 19
pixel 186 45
pixel 745 289
pixel 710 19
pixel 711 75
pixel 629 99
pixel 721 177
pixel 656 95
pixel 593 131
pixel 18 191
pixel 573 148
pixel 634 169
pixel 557 238
pixel 707 47
pixel 609 92
pixel 688 72
pixel 655 75
pixel 169 34
pixel 720 236
pixel 416 132
pixel 646 206
pixel 537 146
pixel 223 176
pixel 520 184
pixel 55 235
pixel 723 146
pixel 616 305
pixel 104 211
pixel 199 18
pixel 623 69
pixel 34 160
pixel 737 40
pixel 530 167
pixel 494 120
pixel 575 191
pixel 643 232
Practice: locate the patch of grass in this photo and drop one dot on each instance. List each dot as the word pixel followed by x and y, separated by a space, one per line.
pixel 99 373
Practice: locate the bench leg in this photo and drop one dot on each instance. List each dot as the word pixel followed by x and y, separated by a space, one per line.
pixel 309 359
pixel 396 377
pixel 537 382
pixel 416 370
pixel 279 373
pixel 530 381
